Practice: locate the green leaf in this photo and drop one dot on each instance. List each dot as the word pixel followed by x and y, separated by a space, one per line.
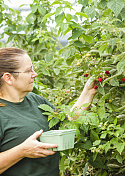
pixel 120 147
pixel 79 44
pixel 90 11
pixel 47 16
pixel 119 158
pixel 88 38
pixel 45 71
pixel 108 79
pixel 31 18
pixel 97 142
pixel 87 145
pixel 58 10
pixel 103 48
pixel 93 136
pixel 107 146
pixel 53 122
pixel 83 2
pixel 93 119
pixel 59 18
pixel 101 112
pixel 116 6
pixel 70 60
pixel 85 169
pixel 34 7
pixel 103 135
pixel 81 14
pixel 42 10
pixel 46 107
pixel 76 32
pixel 121 66
pixel 123 14
pixel 114 82
pixel 56 71
pixel 56 2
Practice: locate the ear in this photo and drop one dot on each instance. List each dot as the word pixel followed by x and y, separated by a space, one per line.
pixel 7 77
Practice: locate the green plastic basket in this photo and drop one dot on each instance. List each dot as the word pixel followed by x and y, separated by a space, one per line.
pixel 63 138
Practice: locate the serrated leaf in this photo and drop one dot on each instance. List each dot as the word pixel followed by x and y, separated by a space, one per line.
pixel 93 136
pixel 42 10
pixel 103 135
pixel 108 79
pixel 116 6
pixel 34 7
pixel 83 2
pixel 31 18
pixel 53 122
pixel 76 33
pixel 90 11
pixel 58 10
pixel 101 112
pixel 93 119
pixel 102 48
pixel 56 2
pixel 107 147
pixel 121 66
pixel 70 60
pixel 81 14
pixel 56 71
pixel 119 158
pixel 79 44
pixel 88 38
pixel 87 145
pixel 123 14
pixel 46 107
pixel 47 16
pixel 59 18
pixel 120 147
pixel 97 142
pixel 46 72
pixel 114 82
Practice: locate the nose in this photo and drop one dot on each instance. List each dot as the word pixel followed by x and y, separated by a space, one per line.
pixel 34 74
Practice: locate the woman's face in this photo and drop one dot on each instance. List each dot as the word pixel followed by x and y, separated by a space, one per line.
pixel 24 81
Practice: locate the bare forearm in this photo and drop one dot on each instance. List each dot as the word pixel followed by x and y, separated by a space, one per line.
pixel 10 157
pixel 84 98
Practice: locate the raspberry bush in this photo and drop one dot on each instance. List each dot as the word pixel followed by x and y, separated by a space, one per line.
pixel 96 48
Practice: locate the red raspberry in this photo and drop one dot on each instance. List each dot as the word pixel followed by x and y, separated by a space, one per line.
pixel 107 72
pixel 95 87
pixel 86 75
pixel 123 79
pixel 100 79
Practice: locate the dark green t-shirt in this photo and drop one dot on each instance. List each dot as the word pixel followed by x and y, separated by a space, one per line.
pixel 18 121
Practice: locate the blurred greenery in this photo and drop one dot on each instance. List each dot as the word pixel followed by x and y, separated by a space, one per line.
pixel 96 44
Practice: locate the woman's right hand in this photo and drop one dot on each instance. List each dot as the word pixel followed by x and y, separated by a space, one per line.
pixel 32 148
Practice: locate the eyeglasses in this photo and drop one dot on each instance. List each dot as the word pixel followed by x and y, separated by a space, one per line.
pixel 24 72
pixel 28 71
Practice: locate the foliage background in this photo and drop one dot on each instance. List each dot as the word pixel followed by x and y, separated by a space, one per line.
pixel 96 44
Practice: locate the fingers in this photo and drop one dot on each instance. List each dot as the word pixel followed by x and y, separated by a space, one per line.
pixel 48 146
pixel 46 152
pixel 36 134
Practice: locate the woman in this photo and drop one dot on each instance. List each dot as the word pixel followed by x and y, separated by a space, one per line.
pixel 22 122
